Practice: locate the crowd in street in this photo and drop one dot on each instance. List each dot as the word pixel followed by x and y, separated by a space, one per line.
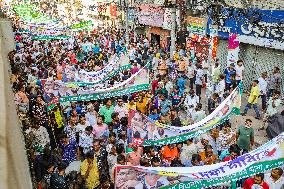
pixel 78 144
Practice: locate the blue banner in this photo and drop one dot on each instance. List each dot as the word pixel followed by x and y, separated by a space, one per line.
pixel 259 27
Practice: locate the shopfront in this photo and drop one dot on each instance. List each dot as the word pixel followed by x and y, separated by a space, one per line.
pixel 261 44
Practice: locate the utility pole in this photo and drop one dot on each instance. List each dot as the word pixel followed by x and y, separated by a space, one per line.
pixel 126 22
pixel 173 30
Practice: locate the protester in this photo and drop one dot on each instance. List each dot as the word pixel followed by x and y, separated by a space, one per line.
pixel 245 136
pixel 253 98
pixel 256 182
pixel 104 133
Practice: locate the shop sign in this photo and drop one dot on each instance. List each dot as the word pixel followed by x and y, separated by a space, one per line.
pixel 268 32
pixel 150 15
pixel 196 25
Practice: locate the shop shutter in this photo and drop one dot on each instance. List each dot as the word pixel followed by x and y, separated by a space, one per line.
pixel 222 52
pixel 247 54
pixel 256 60
pixel 267 59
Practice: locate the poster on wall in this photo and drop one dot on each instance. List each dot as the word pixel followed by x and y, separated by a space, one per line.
pixel 233 49
pixel 196 25
pixel 150 15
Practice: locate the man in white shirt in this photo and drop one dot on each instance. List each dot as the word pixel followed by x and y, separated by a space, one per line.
pixel 198 114
pixel 91 115
pixel 273 105
pixel 39 135
pixel 82 125
pixel 121 109
pixel 239 71
pixel 86 140
pixel 191 101
pixel 262 84
pixel 190 73
pixel 187 150
pixel 275 179
pixel 220 88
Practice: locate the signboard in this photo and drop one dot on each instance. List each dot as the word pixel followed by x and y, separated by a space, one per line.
pixel 267 32
pixel 196 25
pixel 150 15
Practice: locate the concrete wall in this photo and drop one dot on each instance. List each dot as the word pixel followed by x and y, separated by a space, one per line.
pixel 14 169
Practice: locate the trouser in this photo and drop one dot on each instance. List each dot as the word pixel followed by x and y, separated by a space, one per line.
pixel 191 82
pixel 198 90
pixel 248 106
pixel 263 102
pixel 228 86
pixel 270 92
pixel 238 82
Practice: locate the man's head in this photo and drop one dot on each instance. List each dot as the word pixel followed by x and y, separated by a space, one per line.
pixel 264 75
pixel 254 83
pixel 121 159
pixel 90 157
pixel 240 62
pixel 97 145
pixel 276 95
pixel 108 102
pixel 208 150
pixel 232 66
pixel 155 162
pixel 195 160
pixel 89 130
pixel 100 119
pixel 248 123
pixel 276 173
pixel 258 178
pixel 115 116
pixel 120 101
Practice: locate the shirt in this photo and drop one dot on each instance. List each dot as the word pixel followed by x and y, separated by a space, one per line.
pixel 187 151
pixel 121 110
pixel 107 113
pixel 239 72
pixel 254 93
pixel 71 132
pixel 176 98
pixel 169 154
pixel 244 137
pixel 69 151
pixel 92 181
pixel 262 84
pixel 249 184
pixel 223 141
pixel 273 184
pixel 273 110
pixel 86 142
pixel 274 81
pixel 199 76
pixel 40 136
pixel 190 71
pixel 99 131
pixel 228 73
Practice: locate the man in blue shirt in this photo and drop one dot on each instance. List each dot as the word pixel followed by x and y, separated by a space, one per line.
pixel 229 71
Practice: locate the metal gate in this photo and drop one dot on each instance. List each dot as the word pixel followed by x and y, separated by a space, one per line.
pixel 256 60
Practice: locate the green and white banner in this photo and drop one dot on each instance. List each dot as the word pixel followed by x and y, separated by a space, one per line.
pixel 104 95
pixel 264 158
pixel 149 133
pixel 46 37
pixel 137 82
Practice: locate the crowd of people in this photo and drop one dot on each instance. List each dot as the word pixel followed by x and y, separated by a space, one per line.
pixel 78 144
